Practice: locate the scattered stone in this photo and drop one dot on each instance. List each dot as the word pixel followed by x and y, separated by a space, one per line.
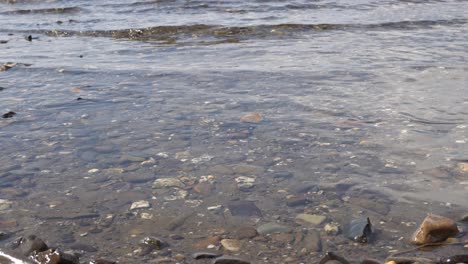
pixel 229 260
pixel 204 188
pixel 244 232
pixel 3 235
pixel 245 183
pixel 311 218
pixel 102 261
pixel 205 255
pixel 464 218
pixel 297 201
pixel 168 182
pixel 312 241
pixel 30 244
pixel 246 169
pixel 463 166
pixel 251 118
pixel 244 208
pixel 140 205
pixel 433 229
pixel 53 256
pixel 409 260
pixel 359 230
pixel 176 195
pixel 332 229
pixel 209 242
pixel 231 244
pixel 203 158
pixel 178 221
pixel 215 208
pixel 304 187
pixel 149 162
pixel 5 204
pixel 9 114
pixel 149 244
pixel 221 170
pixel 332 258
pixel 270 228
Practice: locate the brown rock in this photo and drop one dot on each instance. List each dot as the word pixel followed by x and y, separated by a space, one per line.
pixel 245 232
pixel 49 256
pixel 433 229
pixel 463 166
pixel 252 118
pixel 231 244
pixel 203 244
pixel 203 188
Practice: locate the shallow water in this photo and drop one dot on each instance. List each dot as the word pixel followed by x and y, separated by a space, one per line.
pixel 367 94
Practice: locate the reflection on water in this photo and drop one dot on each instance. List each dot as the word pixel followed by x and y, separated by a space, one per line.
pixel 362 111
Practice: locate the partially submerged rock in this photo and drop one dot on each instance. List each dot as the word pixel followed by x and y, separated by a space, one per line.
pixel 359 230
pixel 332 258
pixel 434 229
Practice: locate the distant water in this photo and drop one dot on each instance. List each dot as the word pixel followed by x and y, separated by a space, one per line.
pixel 369 92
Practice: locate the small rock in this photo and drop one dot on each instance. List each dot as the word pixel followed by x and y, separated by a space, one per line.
pixel 168 182
pixel 332 229
pixel 297 201
pixel 463 166
pixel 49 256
pixel 140 205
pixel 9 114
pixel 231 244
pixel 102 261
pixel 433 229
pixel 215 208
pixel 311 218
pixel 29 245
pixel 359 230
pixel 205 243
pixel 245 183
pixel 5 204
pixel 245 232
pixel 251 118
pixel 229 260
pixel 270 228
pixel 204 188
pixel 312 241
pixel 244 208
pixel 205 255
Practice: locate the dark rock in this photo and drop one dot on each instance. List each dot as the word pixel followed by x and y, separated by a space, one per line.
pixel 205 255
pixel 83 247
pixel 244 208
pixel 298 201
pixel 229 260
pixel 176 237
pixel 455 259
pixel 410 260
pixel 2 88
pixel 102 261
pixel 29 245
pixel 49 256
pixel 370 261
pixel 312 241
pixel 332 258
pixel 153 242
pixel 9 114
pixel 359 230
pixel 3 235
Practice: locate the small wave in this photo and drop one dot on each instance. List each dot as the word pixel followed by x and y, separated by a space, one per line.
pixel 201 33
pixel 56 10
